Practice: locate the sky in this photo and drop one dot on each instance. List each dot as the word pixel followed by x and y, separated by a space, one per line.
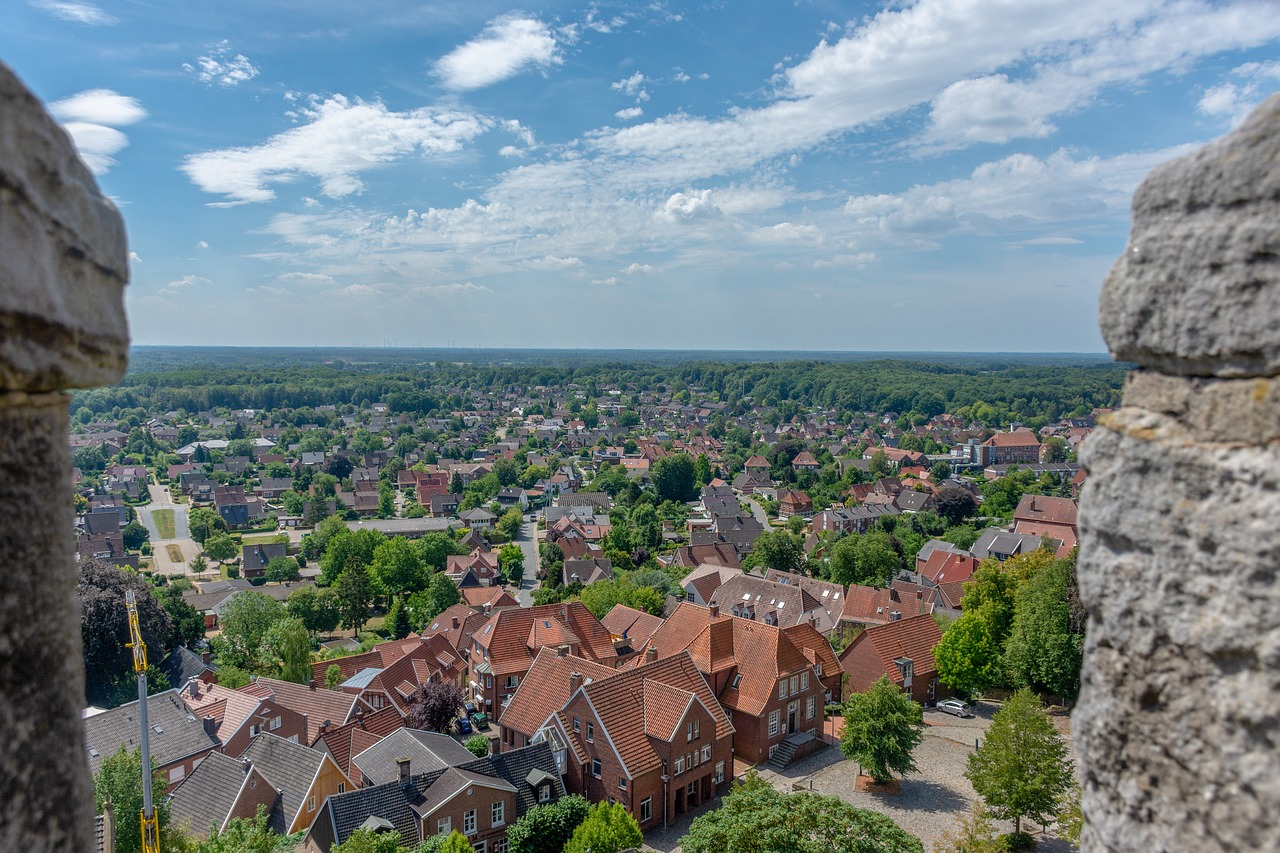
pixel 938 175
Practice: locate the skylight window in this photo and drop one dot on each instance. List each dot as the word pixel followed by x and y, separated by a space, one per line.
pixel 157 730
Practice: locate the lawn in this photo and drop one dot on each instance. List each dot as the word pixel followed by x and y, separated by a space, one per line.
pixel 261 539
pixel 164 523
pixel 175 554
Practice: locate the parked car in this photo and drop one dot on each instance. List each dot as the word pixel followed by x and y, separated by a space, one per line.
pixel 955 706
pixel 480 720
pixel 470 708
pixel 464 726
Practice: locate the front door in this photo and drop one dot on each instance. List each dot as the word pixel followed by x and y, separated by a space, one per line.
pixel 793 711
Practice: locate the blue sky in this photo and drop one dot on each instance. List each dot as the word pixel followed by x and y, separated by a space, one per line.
pixel 930 175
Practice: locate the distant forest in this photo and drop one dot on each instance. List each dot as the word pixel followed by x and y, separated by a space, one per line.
pixel 992 388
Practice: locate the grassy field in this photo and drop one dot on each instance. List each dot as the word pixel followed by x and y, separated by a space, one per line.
pixel 259 539
pixel 174 552
pixel 164 523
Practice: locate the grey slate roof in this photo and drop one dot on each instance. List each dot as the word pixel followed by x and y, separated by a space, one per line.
pixel 291 767
pixel 449 783
pixel 206 797
pixel 182 664
pixel 1002 542
pixel 175 732
pixel 343 814
pixel 427 751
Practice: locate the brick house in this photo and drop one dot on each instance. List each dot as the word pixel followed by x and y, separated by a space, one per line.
pixel 902 650
pixel 652 737
pixel 503 650
pixel 236 718
pixel 1050 517
pixel 767 684
pixel 794 502
pixel 178 741
pixel 1019 446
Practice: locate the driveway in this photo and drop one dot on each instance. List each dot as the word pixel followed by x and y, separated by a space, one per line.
pixel 759 513
pixel 528 543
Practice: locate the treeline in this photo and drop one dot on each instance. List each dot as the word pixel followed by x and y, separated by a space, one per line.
pixel 984 391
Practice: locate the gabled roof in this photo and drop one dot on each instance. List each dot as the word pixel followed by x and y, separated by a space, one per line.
pixel 1016 438
pixel 707 578
pixel 176 733
pixel 318 704
pixel 426 751
pixel 1046 510
pixel 291 767
pixel 912 638
pixel 631 624
pixel 758 598
pixel 508 634
pixel 342 742
pixel 945 566
pixel 207 796
pixel 545 689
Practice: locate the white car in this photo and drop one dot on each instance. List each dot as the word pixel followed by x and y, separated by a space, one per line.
pixel 955 706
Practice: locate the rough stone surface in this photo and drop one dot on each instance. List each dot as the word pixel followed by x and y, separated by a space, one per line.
pixel 1197 291
pixel 45 794
pixel 1178 723
pixel 63 257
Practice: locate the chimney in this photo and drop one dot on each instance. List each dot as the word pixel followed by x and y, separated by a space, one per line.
pixel 562 651
pixel 324 727
pixel 402 764
pixel 206 657
pixel 455 623
pixel 575 681
pixel 714 609
pixel 193 686
pixel 651 654
pixel 919 593
pixel 210 726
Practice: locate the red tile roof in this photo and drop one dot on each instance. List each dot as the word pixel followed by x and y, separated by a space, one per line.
pixel 508 634
pixel 912 638
pixel 545 689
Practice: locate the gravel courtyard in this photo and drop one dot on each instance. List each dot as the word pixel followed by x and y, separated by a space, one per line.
pixel 931 801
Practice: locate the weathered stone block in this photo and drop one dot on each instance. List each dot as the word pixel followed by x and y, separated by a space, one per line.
pixel 1178 723
pixel 63 257
pixel 1197 291
pixel 1217 410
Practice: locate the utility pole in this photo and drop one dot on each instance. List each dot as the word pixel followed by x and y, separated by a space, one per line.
pixel 150 823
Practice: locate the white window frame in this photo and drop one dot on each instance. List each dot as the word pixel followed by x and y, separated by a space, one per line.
pixel 697 729
pixel 646 809
pixel 274 724
pixel 706 753
pixel 804 680
pixel 622 783
pixel 679 765
pixel 817 668
pixel 795 684
pixel 774 716
pixel 808 708
pixel 500 845
pixel 444 826
pixel 311 804
pixel 544 793
pixel 782 689
pixel 591 732
pixel 719 772
pixel 595 767
pixel 577 726
pixel 469 822
pixel 498 813
pixel 176 774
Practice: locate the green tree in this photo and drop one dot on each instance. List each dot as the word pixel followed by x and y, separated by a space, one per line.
pixel 281 569
pixel 333 676
pixel 398 619
pixel 456 842
pixel 779 549
pixel 702 470
pixel 509 524
pixel 879 465
pixel 673 478
pixel 246 618
pixel 881 727
pixel 104 625
pixel 967 656
pixel 607 829
pixel 119 779
pixel 455 483
pixel 478 745
pixel 548 828
pixel 368 841
pixel 440 594
pixel 511 563
pixel 204 522
pixel 1021 768
pixel 756 818
pixel 199 565
pixel 436 548
pixel 295 652
pixel 1044 649
pixel 316 607
pixel 188 624
pixel 345 545
pixel 868 560
pixel 355 594
pixel 397 564
pixel 221 547
pixel 974 832
pixel 134 535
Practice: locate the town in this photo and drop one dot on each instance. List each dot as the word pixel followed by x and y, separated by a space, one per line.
pixel 506 607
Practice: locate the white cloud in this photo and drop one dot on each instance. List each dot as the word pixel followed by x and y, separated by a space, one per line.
pixel 178 285
pixel 342 138
pixel 1235 101
pixel 354 291
pixel 861 259
pixel 202 245
pixel 681 77
pixel 99 106
pixel 634 268
pixel 611 281
pixel 629 86
pixel 306 277
pixel 134 257
pixel 506 47
pixel 75 11
pixel 451 289
pixel 220 67
pixel 630 113
pixel 686 206
pixel 553 263
pixel 786 232
pixel 87 116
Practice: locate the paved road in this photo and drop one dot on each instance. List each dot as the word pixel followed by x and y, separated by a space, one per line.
pixel 161 499
pixel 529 544
pixel 759 513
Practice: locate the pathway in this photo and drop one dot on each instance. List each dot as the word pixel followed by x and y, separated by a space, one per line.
pixel 186 548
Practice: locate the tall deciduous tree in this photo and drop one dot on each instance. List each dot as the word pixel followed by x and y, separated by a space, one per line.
pixel 673 478
pixel 221 547
pixel 967 656
pixel 779 549
pixel 440 594
pixel 881 728
pixel 434 706
pixel 355 594
pixel 295 652
pixel 104 625
pixel 1043 651
pixel 1021 769
pixel 246 619
pixel 397 565
pixel 119 779
pixel 757 818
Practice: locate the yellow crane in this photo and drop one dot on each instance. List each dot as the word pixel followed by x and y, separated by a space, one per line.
pixel 150 822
